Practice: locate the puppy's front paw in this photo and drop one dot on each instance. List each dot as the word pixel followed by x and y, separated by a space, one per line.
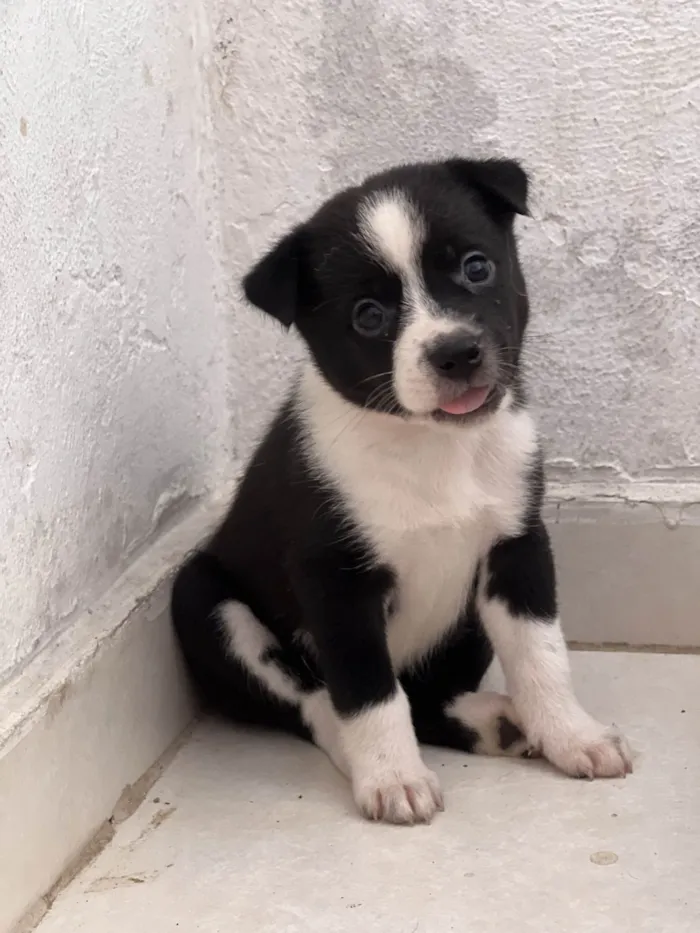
pixel 584 748
pixel 399 796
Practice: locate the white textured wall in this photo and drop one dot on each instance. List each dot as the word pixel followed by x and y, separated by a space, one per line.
pixel 116 380
pixel 112 415
pixel 600 98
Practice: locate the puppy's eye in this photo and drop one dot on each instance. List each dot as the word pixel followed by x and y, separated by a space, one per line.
pixel 477 269
pixel 369 318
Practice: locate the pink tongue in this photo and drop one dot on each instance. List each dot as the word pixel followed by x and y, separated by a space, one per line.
pixel 469 401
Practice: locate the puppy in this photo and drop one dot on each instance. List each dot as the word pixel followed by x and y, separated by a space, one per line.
pixel 387 536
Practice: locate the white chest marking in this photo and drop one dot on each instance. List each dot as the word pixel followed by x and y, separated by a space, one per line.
pixel 430 498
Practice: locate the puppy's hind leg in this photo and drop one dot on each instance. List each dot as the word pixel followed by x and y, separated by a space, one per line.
pixel 240 668
pixel 482 723
pixel 232 658
pixel 280 670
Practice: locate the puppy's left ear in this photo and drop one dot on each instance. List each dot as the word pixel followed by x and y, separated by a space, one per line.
pixel 274 283
pixel 502 183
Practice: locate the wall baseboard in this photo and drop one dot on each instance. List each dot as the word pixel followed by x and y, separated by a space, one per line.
pixel 85 720
pixel 629 569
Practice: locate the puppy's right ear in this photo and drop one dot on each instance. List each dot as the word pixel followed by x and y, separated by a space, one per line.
pixel 503 183
pixel 274 283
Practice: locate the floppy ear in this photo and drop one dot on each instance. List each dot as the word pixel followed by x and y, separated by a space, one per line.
pixel 273 284
pixel 502 183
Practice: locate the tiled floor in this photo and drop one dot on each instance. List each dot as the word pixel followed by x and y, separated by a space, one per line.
pixel 246 832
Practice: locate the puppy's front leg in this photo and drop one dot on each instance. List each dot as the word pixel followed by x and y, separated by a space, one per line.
pixel 344 612
pixel 517 603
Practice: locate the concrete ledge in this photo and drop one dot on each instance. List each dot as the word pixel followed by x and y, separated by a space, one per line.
pixel 629 568
pixel 85 720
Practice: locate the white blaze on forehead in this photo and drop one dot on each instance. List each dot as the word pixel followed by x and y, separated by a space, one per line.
pixel 394 230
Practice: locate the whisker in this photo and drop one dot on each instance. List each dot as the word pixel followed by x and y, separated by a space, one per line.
pixel 375 376
pixel 353 421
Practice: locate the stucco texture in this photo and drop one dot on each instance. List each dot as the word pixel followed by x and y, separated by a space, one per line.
pixel 112 373
pixel 600 100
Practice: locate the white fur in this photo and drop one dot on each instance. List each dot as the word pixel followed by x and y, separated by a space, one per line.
pixel 389 779
pixel 394 231
pixel 430 498
pixel 318 714
pixel 536 666
pixel 248 640
pixel 483 712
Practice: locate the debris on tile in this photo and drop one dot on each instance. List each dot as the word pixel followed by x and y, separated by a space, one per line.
pixel 604 858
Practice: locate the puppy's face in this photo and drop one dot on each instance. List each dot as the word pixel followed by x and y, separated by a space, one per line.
pixel 407 289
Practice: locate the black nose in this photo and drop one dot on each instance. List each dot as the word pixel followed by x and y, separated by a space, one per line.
pixel 456 357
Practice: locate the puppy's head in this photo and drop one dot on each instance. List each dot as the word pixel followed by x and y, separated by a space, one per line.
pixel 407 289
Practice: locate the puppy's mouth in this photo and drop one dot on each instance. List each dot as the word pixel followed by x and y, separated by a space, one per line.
pixel 467 402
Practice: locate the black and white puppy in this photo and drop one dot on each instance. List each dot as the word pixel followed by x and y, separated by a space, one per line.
pixel 387 536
